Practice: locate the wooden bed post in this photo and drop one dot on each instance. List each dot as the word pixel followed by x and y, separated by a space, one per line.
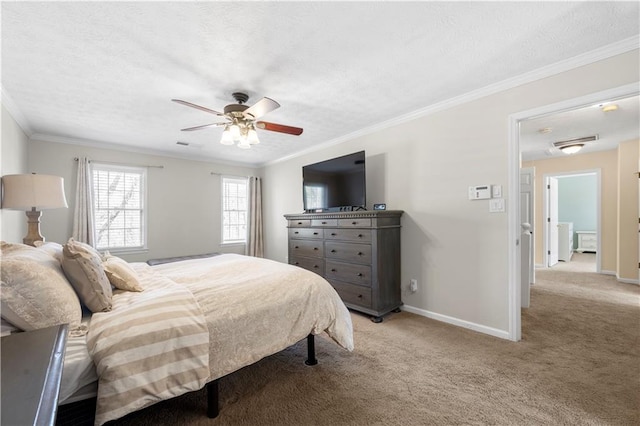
pixel 212 399
pixel 311 350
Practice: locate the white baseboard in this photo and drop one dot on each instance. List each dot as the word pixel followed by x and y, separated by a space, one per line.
pixel 458 322
pixel 605 272
pixel 627 280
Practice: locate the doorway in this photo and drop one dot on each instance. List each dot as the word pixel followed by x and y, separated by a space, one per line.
pixel 572 203
pixel 513 201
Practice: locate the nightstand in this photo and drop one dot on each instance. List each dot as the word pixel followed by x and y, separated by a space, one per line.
pixel 31 373
pixel 587 241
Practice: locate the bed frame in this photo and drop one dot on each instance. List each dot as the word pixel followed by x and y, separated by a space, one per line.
pixel 213 393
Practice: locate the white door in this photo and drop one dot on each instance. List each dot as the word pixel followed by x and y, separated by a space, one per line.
pixel 527 180
pixel 552 221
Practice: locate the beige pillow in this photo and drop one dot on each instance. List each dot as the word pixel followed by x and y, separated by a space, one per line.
pixel 35 293
pixel 121 275
pixel 83 266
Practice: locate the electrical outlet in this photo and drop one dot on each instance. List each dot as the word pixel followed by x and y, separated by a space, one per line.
pixel 413 286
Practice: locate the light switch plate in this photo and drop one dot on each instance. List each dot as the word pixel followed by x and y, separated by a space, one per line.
pixel 496 205
pixel 496 191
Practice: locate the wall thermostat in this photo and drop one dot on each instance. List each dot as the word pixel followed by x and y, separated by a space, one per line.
pixel 379 206
pixel 481 192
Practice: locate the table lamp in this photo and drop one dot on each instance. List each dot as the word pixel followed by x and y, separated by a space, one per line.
pixel 33 193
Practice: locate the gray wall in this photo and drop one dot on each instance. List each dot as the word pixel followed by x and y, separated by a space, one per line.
pixel 13 155
pixel 184 209
pixel 454 247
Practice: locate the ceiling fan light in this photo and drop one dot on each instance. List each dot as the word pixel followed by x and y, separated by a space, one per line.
pixel 226 139
pixel 252 137
pixel 244 144
pixel 571 149
pixel 234 129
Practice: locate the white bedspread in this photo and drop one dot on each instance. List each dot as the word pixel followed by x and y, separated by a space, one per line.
pixel 257 307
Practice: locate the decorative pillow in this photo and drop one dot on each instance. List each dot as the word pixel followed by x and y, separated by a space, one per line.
pixel 35 293
pixel 54 249
pixel 120 273
pixel 83 266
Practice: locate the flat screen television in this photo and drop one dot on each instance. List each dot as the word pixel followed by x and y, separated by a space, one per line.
pixel 338 184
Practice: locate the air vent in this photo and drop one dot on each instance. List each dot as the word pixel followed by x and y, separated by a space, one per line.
pixel 182 143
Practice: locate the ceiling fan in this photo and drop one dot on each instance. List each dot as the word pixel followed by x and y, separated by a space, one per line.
pixel 241 120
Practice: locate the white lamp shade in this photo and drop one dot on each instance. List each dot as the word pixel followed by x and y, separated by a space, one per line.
pixel 235 132
pixel 571 149
pixel 252 137
pixel 24 192
pixel 227 139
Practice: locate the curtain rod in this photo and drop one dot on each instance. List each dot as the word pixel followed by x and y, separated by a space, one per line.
pixel 226 174
pixel 124 164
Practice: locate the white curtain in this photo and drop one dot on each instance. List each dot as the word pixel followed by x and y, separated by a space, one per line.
pixel 83 222
pixel 255 243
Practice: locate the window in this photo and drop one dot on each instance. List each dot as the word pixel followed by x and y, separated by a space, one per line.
pixel 234 210
pixel 119 206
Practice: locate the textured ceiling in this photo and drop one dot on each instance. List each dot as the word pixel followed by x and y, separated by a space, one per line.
pixel 106 71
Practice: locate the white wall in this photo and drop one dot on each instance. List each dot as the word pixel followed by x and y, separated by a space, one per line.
pixel 184 210
pixel 456 249
pixel 13 160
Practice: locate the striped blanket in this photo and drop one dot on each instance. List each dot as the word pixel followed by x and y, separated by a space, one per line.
pixel 151 346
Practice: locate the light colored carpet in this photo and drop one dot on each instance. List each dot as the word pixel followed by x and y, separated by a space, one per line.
pixel 577 364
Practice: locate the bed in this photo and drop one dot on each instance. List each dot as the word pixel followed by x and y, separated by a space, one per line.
pixel 194 322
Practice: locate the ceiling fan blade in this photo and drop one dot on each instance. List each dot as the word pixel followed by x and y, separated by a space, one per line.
pixel 189 129
pixel 260 108
pixel 201 108
pixel 279 128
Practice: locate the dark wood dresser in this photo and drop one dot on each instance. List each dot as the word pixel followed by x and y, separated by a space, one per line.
pixel 357 252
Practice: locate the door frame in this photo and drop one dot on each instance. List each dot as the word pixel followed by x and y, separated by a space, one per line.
pixel 545 224
pixel 513 201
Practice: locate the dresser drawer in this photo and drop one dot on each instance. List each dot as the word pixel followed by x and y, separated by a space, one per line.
pixel 351 273
pixel 346 234
pixel 324 222
pixel 348 252
pixel 300 223
pixel 309 248
pixel 311 264
pixel 305 233
pixel 353 294
pixel 349 223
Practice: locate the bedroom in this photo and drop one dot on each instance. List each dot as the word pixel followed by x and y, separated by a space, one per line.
pixel 422 166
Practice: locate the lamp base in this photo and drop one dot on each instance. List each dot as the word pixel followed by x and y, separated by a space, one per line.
pixel 33 227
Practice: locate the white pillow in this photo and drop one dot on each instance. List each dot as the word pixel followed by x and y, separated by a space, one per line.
pixel 54 249
pixel 35 293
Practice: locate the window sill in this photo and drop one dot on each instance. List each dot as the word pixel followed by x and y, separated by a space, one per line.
pixel 234 243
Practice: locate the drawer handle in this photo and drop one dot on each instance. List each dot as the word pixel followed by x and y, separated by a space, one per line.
pixel 324 223
pixel 296 232
pixel 354 223
pixel 359 296
pixel 333 251
pixel 296 247
pixel 333 269
pixel 315 233
pixel 315 248
pixel 333 234
pixel 359 253
pixel 297 263
pixel 315 266
pixel 359 274
pixel 360 235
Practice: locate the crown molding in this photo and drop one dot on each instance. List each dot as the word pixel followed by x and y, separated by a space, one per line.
pixel 138 150
pixel 14 111
pixel 605 52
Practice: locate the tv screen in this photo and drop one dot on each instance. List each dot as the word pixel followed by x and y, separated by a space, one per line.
pixel 335 185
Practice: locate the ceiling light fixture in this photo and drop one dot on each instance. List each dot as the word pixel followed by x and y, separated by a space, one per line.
pixel 571 146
